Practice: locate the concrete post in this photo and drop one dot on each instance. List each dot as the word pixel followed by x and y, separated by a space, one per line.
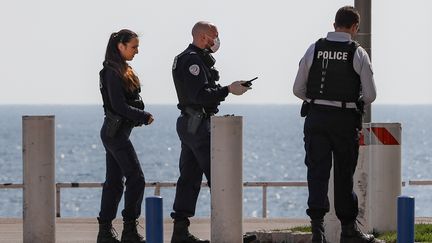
pixel 226 179
pixel 38 179
pixel 386 174
pixel 364 37
pixel 332 227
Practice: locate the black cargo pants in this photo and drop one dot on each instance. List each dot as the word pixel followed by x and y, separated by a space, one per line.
pixel 194 162
pixel 331 134
pixel 121 162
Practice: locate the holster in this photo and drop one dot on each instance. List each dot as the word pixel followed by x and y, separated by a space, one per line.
pixel 114 123
pixel 360 111
pixel 304 109
pixel 195 118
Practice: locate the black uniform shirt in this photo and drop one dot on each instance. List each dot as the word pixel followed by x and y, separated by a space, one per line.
pixel 116 96
pixel 194 82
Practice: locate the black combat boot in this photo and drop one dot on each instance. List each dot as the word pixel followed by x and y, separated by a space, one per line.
pixel 352 234
pixel 107 233
pixel 249 238
pixel 318 231
pixel 181 233
pixel 130 233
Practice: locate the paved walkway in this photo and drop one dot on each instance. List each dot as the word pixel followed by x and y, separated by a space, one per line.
pixel 84 230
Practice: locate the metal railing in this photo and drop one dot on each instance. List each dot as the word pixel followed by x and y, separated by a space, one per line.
pixel 158 185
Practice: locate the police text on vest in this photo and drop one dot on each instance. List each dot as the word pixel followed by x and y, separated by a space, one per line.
pixel 333 55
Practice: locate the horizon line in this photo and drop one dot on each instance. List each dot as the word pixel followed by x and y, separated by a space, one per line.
pixel 175 104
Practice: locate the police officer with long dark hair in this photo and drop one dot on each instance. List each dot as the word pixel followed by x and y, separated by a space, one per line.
pixel 124 109
pixel 335 80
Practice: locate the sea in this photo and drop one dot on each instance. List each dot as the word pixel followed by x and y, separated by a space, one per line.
pixel 272 151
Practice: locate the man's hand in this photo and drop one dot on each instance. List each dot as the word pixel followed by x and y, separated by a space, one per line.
pixel 237 88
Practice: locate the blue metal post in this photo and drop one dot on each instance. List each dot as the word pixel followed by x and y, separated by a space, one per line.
pixel 154 220
pixel 405 219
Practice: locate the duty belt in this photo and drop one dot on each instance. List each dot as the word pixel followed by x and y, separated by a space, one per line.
pixel 200 112
pixel 340 104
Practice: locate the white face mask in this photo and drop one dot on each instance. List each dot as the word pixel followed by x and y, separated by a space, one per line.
pixel 215 47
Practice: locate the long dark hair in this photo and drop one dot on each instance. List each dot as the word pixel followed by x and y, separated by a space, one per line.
pixel 115 61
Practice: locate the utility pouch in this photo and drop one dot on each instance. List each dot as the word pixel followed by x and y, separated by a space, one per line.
pixel 114 123
pixel 304 109
pixel 194 119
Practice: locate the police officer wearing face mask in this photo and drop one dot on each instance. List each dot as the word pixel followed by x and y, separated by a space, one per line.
pixel 334 79
pixel 199 96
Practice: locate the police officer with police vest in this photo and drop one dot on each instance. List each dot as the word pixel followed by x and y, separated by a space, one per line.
pixel 199 96
pixel 335 80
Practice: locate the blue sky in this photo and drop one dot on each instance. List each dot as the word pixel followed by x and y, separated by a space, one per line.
pixel 51 51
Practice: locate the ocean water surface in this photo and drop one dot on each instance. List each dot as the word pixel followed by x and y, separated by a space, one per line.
pixel 272 151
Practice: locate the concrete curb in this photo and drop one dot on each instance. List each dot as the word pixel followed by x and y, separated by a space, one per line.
pixel 283 236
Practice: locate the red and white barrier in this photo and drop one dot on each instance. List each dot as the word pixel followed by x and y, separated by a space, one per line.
pixel 377 180
pixel 386 181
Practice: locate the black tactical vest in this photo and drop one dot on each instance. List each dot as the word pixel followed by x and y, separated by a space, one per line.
pixel 332 75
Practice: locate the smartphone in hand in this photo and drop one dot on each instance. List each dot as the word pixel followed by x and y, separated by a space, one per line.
pixel 249 82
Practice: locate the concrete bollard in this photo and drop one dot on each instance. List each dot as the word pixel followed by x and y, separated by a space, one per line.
pixel 386 174
pixel 154 219
pixel 405 219
pixel 226 179
pixel 38 179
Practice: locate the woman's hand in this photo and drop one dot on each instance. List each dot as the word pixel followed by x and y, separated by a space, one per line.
pixel 150 120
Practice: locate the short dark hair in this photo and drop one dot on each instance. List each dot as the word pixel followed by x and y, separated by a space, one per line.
pixel 346 17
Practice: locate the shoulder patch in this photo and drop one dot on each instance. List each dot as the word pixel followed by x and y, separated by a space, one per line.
pixel 194 69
